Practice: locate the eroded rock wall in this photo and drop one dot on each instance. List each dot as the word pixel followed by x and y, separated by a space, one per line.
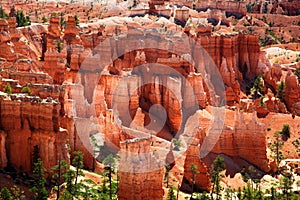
pixel 141 175
pixel 243 138
pixel 26 124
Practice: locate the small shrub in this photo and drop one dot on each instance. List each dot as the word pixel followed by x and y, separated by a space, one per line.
pixel 280 91
pixel 264 19
pixel 171 194
pixel 286 130
pixel 22 20
pixel 249 7
pixel 257 89
pixel 8 89
pixel 44 19
pixel 76 20
pixel 26 89
pixel 134 3
pixel 265 8
pixel 59 46
pixel 5 194
pixel 176 143
pixel 268 129
pixel 3 14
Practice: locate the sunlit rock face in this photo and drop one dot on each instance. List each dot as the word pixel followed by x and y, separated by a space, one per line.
pixel 141 175
pixel 137 102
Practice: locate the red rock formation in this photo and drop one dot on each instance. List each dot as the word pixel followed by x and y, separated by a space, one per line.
pixel 6 46
pixel 54 33
pixel 287 7
pixel 291 91
pixel 36 37
pixel 20 46
pixel 235 142
pixel 141 175
pixel 55 65
pixel 33 124
pixel 55 58
pixel 3 158
pixel 202 177
pixel 290 7
pixel 71 32
pixel 243 138
pixel 49 125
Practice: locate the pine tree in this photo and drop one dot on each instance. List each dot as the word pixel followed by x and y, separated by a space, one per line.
pixel 194 169
pixel 3 14
pixel 39 189
pixel 59 46
pixel 171 194
pixel 96 149
pixel 22 20
pixel 239 193
pixel 44 19
pixel 286 183
pixel 77 162
pixel 280 91
pixel 5 194
pixel 109 163
pixel 58 170
pixel 76 20
pixel 69 176
pixel 168 168
pixel 217 166
pixel 273 193
pixel 248 192
pixel 276 146
pixel 257 89
pixel 62 22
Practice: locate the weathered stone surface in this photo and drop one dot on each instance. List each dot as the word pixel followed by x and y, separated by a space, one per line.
pixel 3 156
pixel 202 177
pixel 6 46
pixel 33 124
pixel 292 91
pixel 55 65
pixel 71 32
pixel 118 102
pixel 244 138
pixel 234 141
pixel 141 175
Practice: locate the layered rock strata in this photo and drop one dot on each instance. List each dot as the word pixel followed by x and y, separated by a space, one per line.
pixel 141 175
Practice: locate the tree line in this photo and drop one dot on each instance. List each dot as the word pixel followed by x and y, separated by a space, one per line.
pixel 67 182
